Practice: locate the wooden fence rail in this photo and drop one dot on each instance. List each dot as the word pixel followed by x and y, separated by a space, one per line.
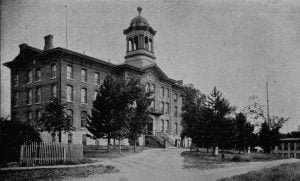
pixel 50 153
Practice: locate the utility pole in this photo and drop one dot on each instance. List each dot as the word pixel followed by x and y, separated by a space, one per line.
pixel 268 113
pixel 66 26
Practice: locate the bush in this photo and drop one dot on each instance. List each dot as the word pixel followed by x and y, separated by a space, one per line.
pixel 12 135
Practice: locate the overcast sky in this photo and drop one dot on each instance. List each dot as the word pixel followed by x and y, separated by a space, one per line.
pixel 233 45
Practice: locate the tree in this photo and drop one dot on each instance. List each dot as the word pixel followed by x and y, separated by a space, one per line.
pixel 13 134
pixel 106 112
pixel 244 131
pixel 193 125
pixel 137 116
pixel 269 133
pixel 55 119
pixel 216 113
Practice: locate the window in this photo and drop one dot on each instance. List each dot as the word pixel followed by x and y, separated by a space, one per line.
pixel 38 114
pixel 83 96
pixel 175 111
pixel 70 93
pixel 83 119
pixel 167 92
pixel 15 99
pixel 70 72
pixel 83 75
pixel 16 80
pixel 70 115
pixel 292 145
pixel 167 108
pixel 38 94
pixel 152 88
pixel 162 92
pixel 29 97
pixel 285 146
pixel 29 77
pixel 95 95
pixel 96 78
pixel 38 74
pixel 84 139
pixel 147 87
pixel 53 70
pixel 176 128
pixel 162 126
pixel 29 116
pixel 70 138
pixel 167 126
pixel 53 91
pixel 152 106
pixel 175 97
pixel 162 107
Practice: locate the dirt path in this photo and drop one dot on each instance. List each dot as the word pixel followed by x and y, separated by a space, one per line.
pixel 167 164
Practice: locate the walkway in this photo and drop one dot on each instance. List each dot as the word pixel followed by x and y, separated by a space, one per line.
pixel 166 164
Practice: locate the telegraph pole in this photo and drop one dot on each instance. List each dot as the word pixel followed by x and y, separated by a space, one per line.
pixel 268 113
pixel 66 26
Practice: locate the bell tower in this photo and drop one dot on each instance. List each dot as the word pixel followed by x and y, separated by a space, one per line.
pixel 140 42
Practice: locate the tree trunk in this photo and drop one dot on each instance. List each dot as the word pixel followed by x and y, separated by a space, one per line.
pixel 207 149
pixel 108 143
pixel 114 143
pixel 59 136
pixel 120 145
pixel 213 151
pixel 134 143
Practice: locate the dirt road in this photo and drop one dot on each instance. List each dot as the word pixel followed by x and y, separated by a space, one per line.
pixel 167 164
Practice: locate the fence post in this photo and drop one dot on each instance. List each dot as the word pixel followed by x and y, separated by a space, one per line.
pixel 21 154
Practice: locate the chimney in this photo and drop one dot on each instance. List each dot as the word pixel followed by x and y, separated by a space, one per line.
pixel 22 47
pixel 48 42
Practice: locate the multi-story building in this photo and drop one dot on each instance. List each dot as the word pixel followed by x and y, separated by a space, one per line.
pixel 37 75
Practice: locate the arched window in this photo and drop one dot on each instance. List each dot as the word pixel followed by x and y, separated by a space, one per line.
pixel 152 88
pixel 136 40
pixel 150 44
pixel 147 87
pixel 130 44
pixel 146 43
pixel 70 115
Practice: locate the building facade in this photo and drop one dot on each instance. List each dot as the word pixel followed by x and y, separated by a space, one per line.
pixel 37 75
pixel 288 147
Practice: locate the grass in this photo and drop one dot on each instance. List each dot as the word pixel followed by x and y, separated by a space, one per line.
pixel 55 173
pixel 202 160
pixel 99 152
pixel 285 172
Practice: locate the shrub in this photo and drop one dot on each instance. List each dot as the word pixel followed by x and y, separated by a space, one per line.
pixel 12 135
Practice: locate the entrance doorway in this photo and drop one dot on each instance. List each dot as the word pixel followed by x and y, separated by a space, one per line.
pixel 150 128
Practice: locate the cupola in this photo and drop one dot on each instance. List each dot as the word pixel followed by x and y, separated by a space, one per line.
pixel 139 42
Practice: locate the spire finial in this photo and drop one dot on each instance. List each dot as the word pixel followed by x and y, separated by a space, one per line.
pixel 139 9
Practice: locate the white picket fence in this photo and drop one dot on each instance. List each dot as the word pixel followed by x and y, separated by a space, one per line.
pixel 50 153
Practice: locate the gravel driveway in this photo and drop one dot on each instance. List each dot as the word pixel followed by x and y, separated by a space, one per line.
pixel 167 164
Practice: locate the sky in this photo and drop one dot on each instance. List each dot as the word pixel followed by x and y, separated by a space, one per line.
pixel 233 45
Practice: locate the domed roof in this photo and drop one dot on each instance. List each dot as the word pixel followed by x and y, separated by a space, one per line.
pixel 139 20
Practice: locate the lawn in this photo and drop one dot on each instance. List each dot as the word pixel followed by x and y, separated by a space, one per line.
pixel 55 173
pixel 202 160
pixel 100 152
pixel 285 172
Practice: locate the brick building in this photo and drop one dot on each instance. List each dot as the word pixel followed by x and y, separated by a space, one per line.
pixel 37 75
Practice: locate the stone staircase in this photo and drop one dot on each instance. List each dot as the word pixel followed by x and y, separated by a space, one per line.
pixel 160 140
